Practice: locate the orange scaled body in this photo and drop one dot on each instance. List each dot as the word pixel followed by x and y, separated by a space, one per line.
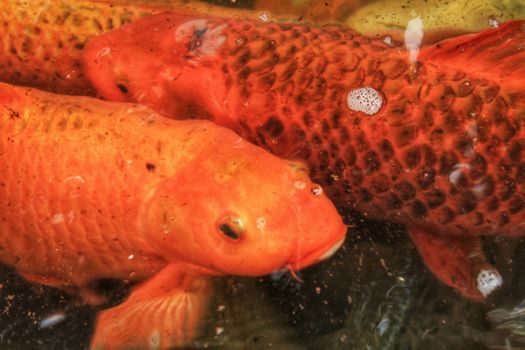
pixel 438 146
pixel 92 189
pixel 42 41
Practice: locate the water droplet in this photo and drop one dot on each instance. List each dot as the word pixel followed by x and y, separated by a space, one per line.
pixel 366 99
pixel 240 41
pixel 74 179
pixel 455 174
pixel 493 23
pixel 479 189
pixel 239 143
pixel 316 190
pixel 70 74
pixel 57 219
pixel 219 330
pixel 221 308
pixel 154 340
pixel 52 319
pixel 260 223
pixel 264 17
pixel 300 185
pixel 70 216
pixel 105 51
pixel 131 256
pixel 488 281
pixel 383 326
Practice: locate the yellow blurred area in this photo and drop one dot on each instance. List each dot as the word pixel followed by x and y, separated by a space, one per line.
pixel 441 18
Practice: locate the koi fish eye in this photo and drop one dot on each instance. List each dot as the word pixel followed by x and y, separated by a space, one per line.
pixel 231 227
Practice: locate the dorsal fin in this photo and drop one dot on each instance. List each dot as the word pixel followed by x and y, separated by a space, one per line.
pixel 495 53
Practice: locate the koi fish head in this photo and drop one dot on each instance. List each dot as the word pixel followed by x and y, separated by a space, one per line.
pixel 243 211
pixel 153 59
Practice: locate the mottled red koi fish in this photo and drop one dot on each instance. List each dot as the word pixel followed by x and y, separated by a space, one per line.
pixel 92 189
pixel 430 137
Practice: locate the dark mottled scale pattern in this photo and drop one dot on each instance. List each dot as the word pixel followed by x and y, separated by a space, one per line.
pixel 446 151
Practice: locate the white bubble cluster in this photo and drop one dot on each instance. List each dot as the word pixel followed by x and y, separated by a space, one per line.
pixel 365 99
pixel 488 281
pixel 493 23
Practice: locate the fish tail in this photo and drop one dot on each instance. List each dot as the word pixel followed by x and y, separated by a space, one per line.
pixel 496 53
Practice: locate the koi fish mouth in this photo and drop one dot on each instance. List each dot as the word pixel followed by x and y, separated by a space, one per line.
pixel 318 255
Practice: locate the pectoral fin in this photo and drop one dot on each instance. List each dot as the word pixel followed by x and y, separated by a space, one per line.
pixel 458 262
pixel 163 312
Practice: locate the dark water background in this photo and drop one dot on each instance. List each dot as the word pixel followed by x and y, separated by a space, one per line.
pixel 375 293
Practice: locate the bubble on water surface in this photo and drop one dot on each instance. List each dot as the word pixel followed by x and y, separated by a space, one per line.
pixel 365 99
pixel 488 281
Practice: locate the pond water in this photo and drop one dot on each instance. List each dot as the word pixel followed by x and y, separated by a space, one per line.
pixel 375 293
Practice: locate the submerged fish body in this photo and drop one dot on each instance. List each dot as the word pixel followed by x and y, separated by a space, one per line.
pixel 430 137
pixel 92 189
pixel 42 40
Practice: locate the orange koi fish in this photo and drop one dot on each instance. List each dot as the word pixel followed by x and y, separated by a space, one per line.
pixel 92 190
pixel 42 40
pixel 430 137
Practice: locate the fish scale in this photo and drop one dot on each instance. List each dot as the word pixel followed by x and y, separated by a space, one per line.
pixel 442 154
pixel 92 190
pixel 377 176
pixel 45 199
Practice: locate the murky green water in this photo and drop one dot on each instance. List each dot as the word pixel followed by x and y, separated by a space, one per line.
pixel 374 294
